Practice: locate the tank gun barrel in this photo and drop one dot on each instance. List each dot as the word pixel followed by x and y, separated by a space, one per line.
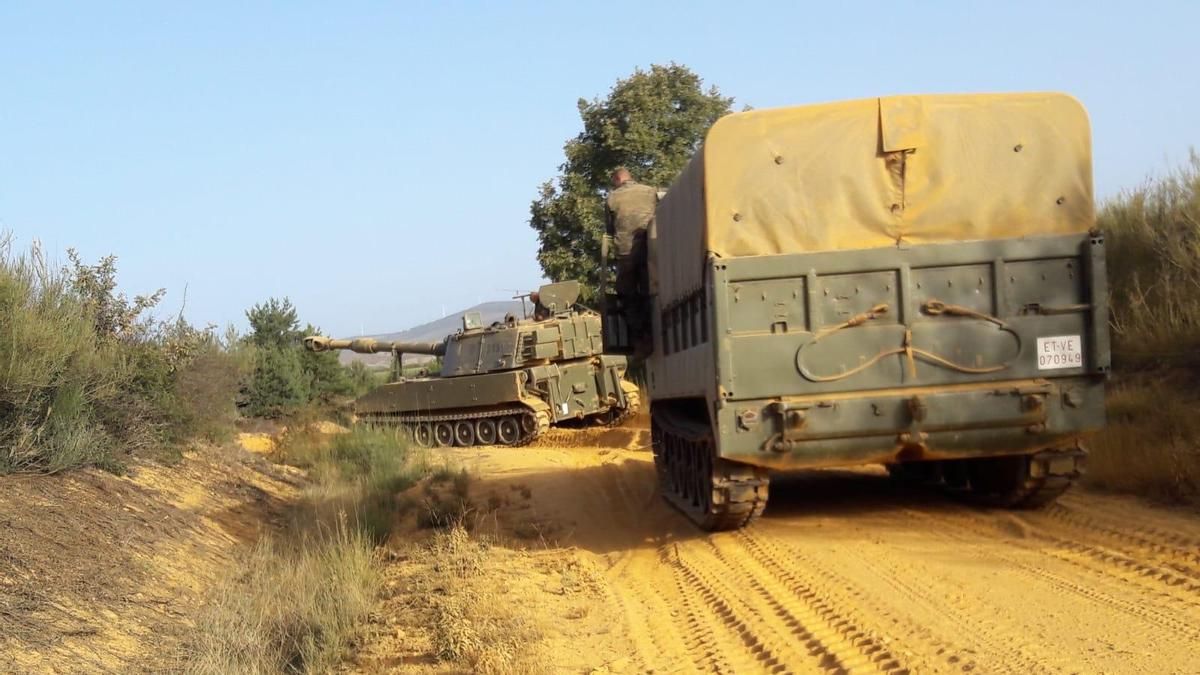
pixel 320 343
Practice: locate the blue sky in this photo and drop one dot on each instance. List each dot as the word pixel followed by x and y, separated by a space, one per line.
pixel 375 161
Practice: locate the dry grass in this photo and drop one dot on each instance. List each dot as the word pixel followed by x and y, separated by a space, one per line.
pixel 1154 269
pixel 1152 444
pixel 292 608
pixel 298 600
pixel 476 625
pixel 445 500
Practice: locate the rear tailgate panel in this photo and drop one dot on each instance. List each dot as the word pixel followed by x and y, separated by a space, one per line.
pixel 852 336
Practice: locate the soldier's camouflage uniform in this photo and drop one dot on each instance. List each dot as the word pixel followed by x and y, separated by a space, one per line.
pixel 630 210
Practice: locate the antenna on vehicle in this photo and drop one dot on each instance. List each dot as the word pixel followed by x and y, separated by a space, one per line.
pixel 520 295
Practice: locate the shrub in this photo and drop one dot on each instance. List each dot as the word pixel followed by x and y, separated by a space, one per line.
pixel 359 472
pixel 327 378
pixel 1152 444
pixel 87 379
pixel 204 392
pixel 286 376
pixel 57 381
pixel 377 458
pixel 278 386
pixel 1154 269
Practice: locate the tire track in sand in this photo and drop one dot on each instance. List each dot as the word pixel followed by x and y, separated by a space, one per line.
pixel 1164 524
pixel 710 645
pixel 658 644
pixel 654 641
pixel 1167 584
pixel 1168 626
pixel 824 633
pixel 1178 554
pixel 1169 543
pixel 830 594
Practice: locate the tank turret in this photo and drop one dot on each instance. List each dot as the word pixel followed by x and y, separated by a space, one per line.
pixel 505 383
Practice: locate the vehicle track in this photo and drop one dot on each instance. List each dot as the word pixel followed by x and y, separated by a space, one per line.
pixel 659 643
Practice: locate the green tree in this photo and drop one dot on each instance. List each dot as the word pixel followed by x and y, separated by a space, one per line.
pixel 651 122
pixel 326 376
pixel 287 376
pixel 279 385
pixel 361 378
pixel 274 323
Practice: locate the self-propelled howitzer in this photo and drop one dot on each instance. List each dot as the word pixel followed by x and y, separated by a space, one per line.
pixel 502 384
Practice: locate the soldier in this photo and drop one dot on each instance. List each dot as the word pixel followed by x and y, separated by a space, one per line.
pixel 630 210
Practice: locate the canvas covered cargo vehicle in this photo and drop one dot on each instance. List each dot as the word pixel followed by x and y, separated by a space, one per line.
pixel 912 280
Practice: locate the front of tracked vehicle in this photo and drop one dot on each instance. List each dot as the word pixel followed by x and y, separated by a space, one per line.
pixel 914 281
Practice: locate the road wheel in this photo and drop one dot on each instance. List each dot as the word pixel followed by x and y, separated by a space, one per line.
pixel 423 435
pixel 485 432
pixel 529 423
pixel 464 434
pixel 443 434
pixel 508 430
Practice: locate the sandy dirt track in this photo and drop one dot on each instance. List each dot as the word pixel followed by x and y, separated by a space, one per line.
pixel 850 572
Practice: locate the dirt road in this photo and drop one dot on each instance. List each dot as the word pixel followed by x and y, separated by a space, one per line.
pixel 849 572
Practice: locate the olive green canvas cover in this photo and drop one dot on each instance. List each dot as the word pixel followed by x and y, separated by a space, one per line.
pixel 871 173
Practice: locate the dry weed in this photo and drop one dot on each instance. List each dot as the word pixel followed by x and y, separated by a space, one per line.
pixel 298 600
pixel 474 622
pixel 1152 444
pixel 1154 269
pixel 457 553
pixel 485 632
pixel 289 608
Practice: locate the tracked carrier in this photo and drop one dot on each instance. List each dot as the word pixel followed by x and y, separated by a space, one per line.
pixel 503 384
pixel 914 281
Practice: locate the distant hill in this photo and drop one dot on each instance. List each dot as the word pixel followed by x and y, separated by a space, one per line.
pixel 433 331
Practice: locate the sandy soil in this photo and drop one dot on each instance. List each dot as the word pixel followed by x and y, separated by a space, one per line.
pixel 846 572
pixel 103 574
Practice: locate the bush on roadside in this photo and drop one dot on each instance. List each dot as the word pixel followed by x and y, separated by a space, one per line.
pixel 1152 444
pixel 1153 235
pixel 278 386
pixel 88 380
pixel 473 626
pixel 375 459
pixel 57 381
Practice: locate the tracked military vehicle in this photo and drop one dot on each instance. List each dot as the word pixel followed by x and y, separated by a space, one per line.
pixel 914 281
pixel 503 384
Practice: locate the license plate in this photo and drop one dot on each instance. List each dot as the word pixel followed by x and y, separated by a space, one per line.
pixel 1060 351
